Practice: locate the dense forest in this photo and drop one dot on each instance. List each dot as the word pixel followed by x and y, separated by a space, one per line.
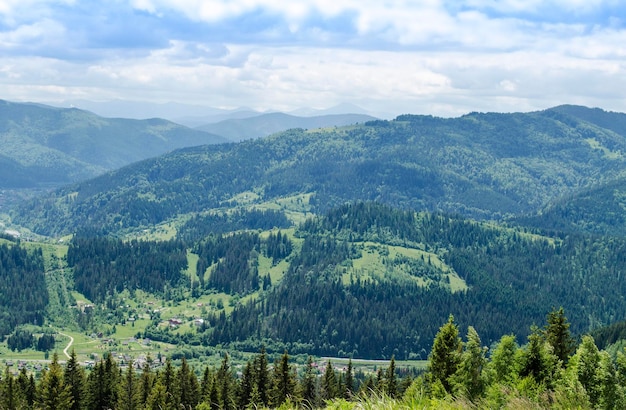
pixel 105 266
pixel 23 292
pixel 325 306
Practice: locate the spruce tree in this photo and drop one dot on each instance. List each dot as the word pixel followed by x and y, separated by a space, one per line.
pixel 283 381
pixel 469 377
pixel 445 355
pixel 74 377
pixel 558 336
pixel 503 364
pixel 53 393
pixel 328 390
pixel 262 377
pixel 349 381
pixel 129 395
pixel 10 396
pixel 308 385
pixel 145 384
pixel 391 383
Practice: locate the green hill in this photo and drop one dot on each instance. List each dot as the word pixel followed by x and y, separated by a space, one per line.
pixel 600 210
pixel 486 166
pixel 46 146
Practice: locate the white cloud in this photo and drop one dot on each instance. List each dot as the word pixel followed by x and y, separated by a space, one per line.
pixel 438 57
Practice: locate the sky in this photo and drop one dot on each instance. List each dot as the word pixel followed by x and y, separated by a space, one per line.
pixel 438 57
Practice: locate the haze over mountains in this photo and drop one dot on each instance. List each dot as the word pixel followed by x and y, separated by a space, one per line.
pixel 46 146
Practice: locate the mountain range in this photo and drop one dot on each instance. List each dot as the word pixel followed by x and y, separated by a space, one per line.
pixel 481 165
pixel 356 240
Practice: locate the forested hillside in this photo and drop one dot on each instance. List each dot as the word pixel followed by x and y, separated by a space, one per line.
pixel 47 146
pixel 331 303
pixel 600 210
pixel 23 292
pixel 479 165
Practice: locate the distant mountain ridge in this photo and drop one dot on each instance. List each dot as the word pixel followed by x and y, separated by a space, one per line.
pixel 485 166
pixel 43 145
pixel 266 124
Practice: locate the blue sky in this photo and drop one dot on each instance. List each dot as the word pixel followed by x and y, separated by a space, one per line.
pixel 428 57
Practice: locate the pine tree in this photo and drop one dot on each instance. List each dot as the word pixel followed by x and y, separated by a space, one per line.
pixel 469 375
pixel 328 390
pixel 74 378
pixel 53 393
pixel 262 377
pixel 308 388
pixel 445 354
pixel 283 381
pixel 349 381
pixel 391 382
pixel 129 395
pixel 558 336
pixel 145 384
pixel 188 386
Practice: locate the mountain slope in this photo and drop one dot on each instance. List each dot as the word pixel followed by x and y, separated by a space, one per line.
pixel 266 124
pixel 600 210
pixel 479 165
pixel 55 146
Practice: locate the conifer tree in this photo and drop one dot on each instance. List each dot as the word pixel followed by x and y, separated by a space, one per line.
pixel 226 382
pixel 349 381
pixel 74 377
pixel 558 336
pixel 26 387
pixel 53 393
pixel 328 390
pixel 246 385
pixel 283 381
pixel 587 365
pixel 157 400
pixel 445 354
pixel 262 377
pixel 145 384
pixel 537 361
pixel 308 385
pixel 10 396
pixel 188 386
pixel 391 383
pixel 205 385
pixel 469 375
pixel 129 395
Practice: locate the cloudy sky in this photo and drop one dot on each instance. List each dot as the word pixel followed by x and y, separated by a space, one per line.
pixel 440 57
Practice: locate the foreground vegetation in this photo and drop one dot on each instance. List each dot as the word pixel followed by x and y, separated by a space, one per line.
pixel 550 371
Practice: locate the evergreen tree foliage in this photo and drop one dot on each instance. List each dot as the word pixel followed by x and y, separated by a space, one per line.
pixel 558 336
pixel 129 395
pixel 445 356
pixel 469 378
pixel 283 382
pixel 54 394
pixel 329 386
pixel 74 378
pixel 308 385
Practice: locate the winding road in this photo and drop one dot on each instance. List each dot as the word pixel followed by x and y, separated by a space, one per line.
pixel 68 345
